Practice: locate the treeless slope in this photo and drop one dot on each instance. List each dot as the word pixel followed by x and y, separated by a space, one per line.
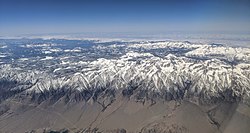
pixel 124 114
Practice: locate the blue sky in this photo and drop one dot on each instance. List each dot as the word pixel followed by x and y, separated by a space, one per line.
pixel 75 16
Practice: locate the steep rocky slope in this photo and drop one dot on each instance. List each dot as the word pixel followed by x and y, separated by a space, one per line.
pixel 149 87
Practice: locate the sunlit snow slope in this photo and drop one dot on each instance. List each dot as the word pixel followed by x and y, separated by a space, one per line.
pixel 170 69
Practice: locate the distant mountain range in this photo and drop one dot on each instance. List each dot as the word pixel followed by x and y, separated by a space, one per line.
pixel 119 79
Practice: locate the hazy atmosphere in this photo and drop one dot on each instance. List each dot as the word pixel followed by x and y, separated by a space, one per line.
pixel 124 66
pixel 77 16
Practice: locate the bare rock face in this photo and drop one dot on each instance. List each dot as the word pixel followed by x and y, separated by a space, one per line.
pixel 140 87
pixel 121 114
pixel 207 71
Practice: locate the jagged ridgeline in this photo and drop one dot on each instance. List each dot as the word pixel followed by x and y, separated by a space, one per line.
pixel 88 86
pixel 145 71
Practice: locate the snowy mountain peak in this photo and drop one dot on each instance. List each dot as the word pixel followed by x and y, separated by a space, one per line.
pixel 160 67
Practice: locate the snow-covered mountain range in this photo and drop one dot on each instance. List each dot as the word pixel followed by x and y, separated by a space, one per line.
pixel 167 68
